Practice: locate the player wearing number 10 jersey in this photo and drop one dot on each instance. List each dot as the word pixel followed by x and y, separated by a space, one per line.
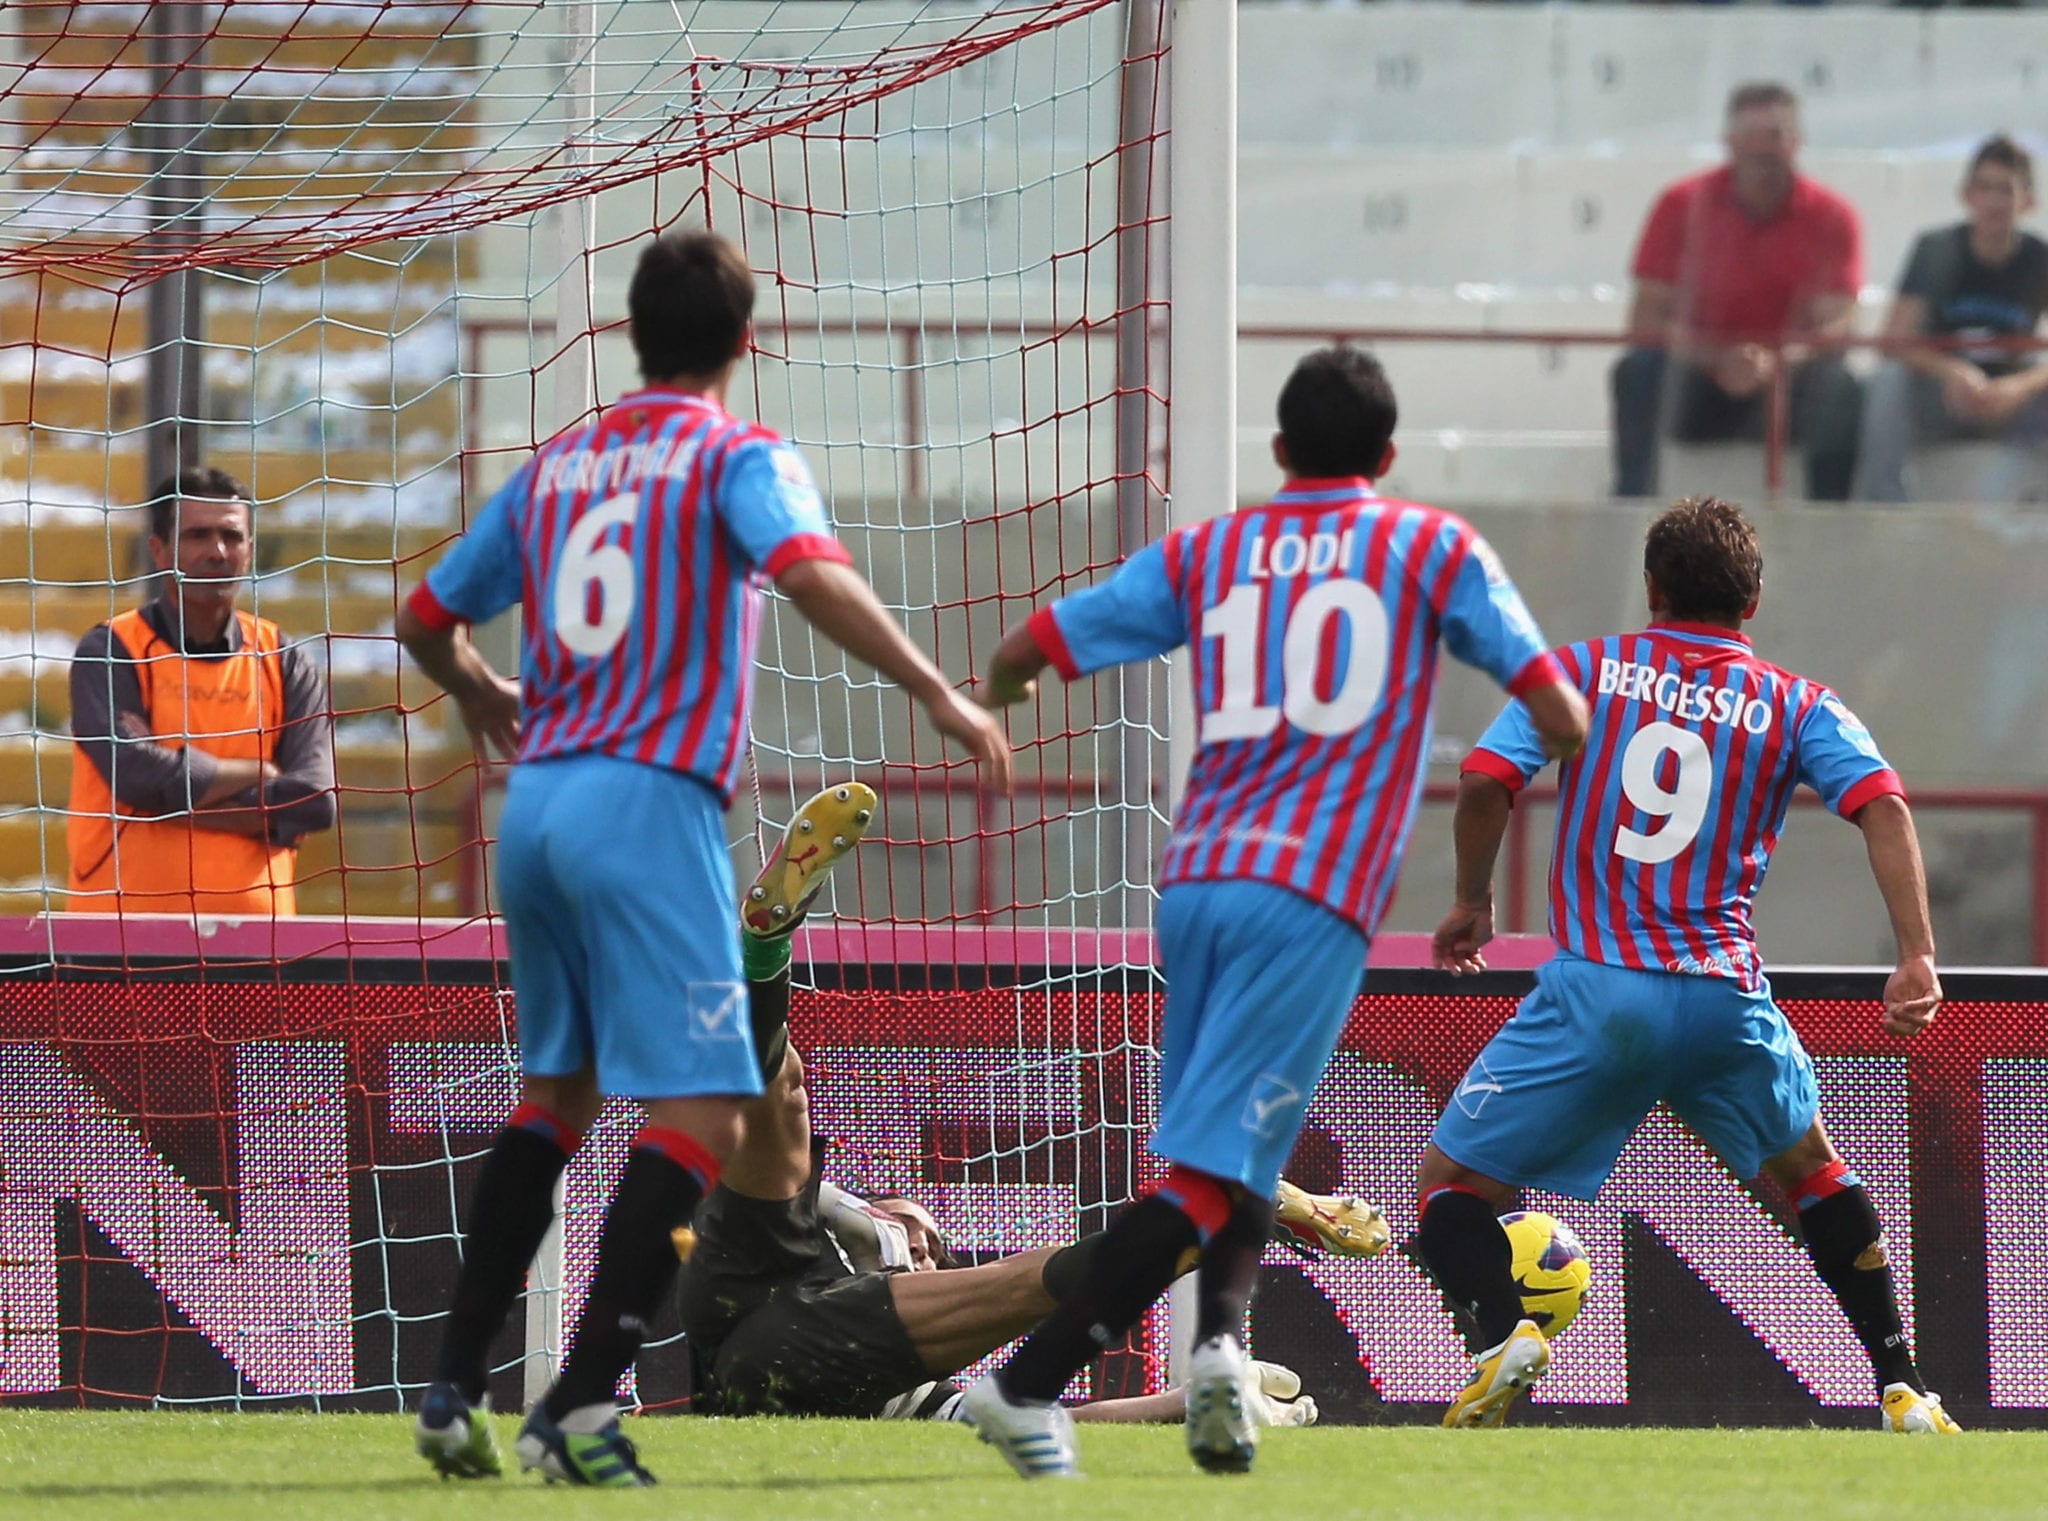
pixel 1312 624
pixel 1665 825
pixel 634 545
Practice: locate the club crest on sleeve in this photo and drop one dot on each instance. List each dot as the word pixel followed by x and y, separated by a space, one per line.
pixel 1852 727
pixel 1490 561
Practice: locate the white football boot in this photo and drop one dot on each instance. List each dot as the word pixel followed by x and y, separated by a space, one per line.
pixel 1222 1385
pixel 1038 1440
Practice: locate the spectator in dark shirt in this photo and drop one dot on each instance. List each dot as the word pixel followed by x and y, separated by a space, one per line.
pixel 1981 278
pixel 1741 272
pixel 203 741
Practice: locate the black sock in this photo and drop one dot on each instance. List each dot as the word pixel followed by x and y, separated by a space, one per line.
pixel 1133 1261
pixel 1468 1254
pixel 768 1001
pixel 1230 1268
pixel 665 1176
pixel 1846 1241
pixel 511 1209
pixel 1067 1268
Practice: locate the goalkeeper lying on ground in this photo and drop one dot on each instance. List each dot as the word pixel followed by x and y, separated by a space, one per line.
pixel 800 1299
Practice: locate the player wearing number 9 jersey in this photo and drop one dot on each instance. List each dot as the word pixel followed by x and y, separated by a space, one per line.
pixel 635 546
pixel 1312 624
pixel 1665 825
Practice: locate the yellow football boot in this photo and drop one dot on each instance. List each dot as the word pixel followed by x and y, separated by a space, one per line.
pixel 1498 1376
pixel 824 829
pixel 1911 1413
pixel 1338 1224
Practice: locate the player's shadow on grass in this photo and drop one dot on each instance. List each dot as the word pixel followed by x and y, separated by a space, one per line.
pixel 168 1489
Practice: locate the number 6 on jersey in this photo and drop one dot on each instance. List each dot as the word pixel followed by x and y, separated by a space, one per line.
pixel 609 566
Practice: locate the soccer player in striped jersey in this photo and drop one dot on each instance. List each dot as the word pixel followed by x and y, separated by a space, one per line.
pixel 1313 624
pixel 1665 825
pixel 635 545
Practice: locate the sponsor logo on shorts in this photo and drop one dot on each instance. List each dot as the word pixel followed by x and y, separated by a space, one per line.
pixel 1273 1100
pixel 718 1010
pixel 1479 1085
pixel 1701 966
pixel 1872 1257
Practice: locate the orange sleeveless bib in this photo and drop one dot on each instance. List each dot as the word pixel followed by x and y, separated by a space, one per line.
pixel 231 706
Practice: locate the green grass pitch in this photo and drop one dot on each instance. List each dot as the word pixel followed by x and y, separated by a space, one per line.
pixel 191 1467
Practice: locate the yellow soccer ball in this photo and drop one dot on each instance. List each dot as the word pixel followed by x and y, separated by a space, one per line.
pixel 1551 1269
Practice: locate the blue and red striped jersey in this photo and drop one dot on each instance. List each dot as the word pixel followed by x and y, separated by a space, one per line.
pixel 1667 820
pixel 635 546
pixel 1313 624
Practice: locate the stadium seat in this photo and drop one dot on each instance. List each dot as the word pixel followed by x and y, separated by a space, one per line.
pixel 1857 69
pixel 1453 467
pixel 1395 76
pixel 1733 471
pixel 1333 221
pixel 1979 473
pixel 1580 214
pixel 1632 78
pixel 1986 73
pixel 1641 79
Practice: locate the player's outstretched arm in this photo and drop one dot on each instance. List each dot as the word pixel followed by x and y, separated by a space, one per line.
pixel 1477 828
pixel 1558 710
pixel 1276 1400
pixel 1912 994
pixel 840 605
pixel 489 702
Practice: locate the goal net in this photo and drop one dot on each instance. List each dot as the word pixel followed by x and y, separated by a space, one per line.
pixel 365 257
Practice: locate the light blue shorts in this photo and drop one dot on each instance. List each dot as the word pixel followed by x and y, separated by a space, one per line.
pixel 1555 1095
pixel 1259 982
pixel 620 910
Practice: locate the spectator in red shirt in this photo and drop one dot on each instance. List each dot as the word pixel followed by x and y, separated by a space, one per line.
pixel 1740 271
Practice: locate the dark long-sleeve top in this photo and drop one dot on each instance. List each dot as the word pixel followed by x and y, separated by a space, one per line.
pixel 157 780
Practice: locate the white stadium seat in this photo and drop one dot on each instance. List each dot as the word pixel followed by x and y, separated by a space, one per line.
pixel 1580 214
pixel 1632 79
pixel 1327 221
pixel 1733 471
pixel 1394 76
pixel 1987 73
pixel 1980 472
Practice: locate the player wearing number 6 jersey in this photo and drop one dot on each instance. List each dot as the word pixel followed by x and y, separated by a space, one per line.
pixel 1665 825
pixel 635 545
pixel 1312 624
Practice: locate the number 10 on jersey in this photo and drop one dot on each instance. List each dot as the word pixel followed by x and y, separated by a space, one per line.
pixel 1240 622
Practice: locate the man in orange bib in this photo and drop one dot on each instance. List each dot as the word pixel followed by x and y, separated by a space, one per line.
pixel 204 742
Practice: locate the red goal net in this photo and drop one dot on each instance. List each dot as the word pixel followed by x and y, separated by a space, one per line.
pixel 365 257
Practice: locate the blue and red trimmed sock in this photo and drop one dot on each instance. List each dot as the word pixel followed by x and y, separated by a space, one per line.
pixel 1203 1199
pixel 666 1174
pixel 1468 1254
pixel 684 1151
pixel 1825 1183
pixel 509 1212
pixel 547 1126
pixel 1846 1241
pixel 1135 1259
